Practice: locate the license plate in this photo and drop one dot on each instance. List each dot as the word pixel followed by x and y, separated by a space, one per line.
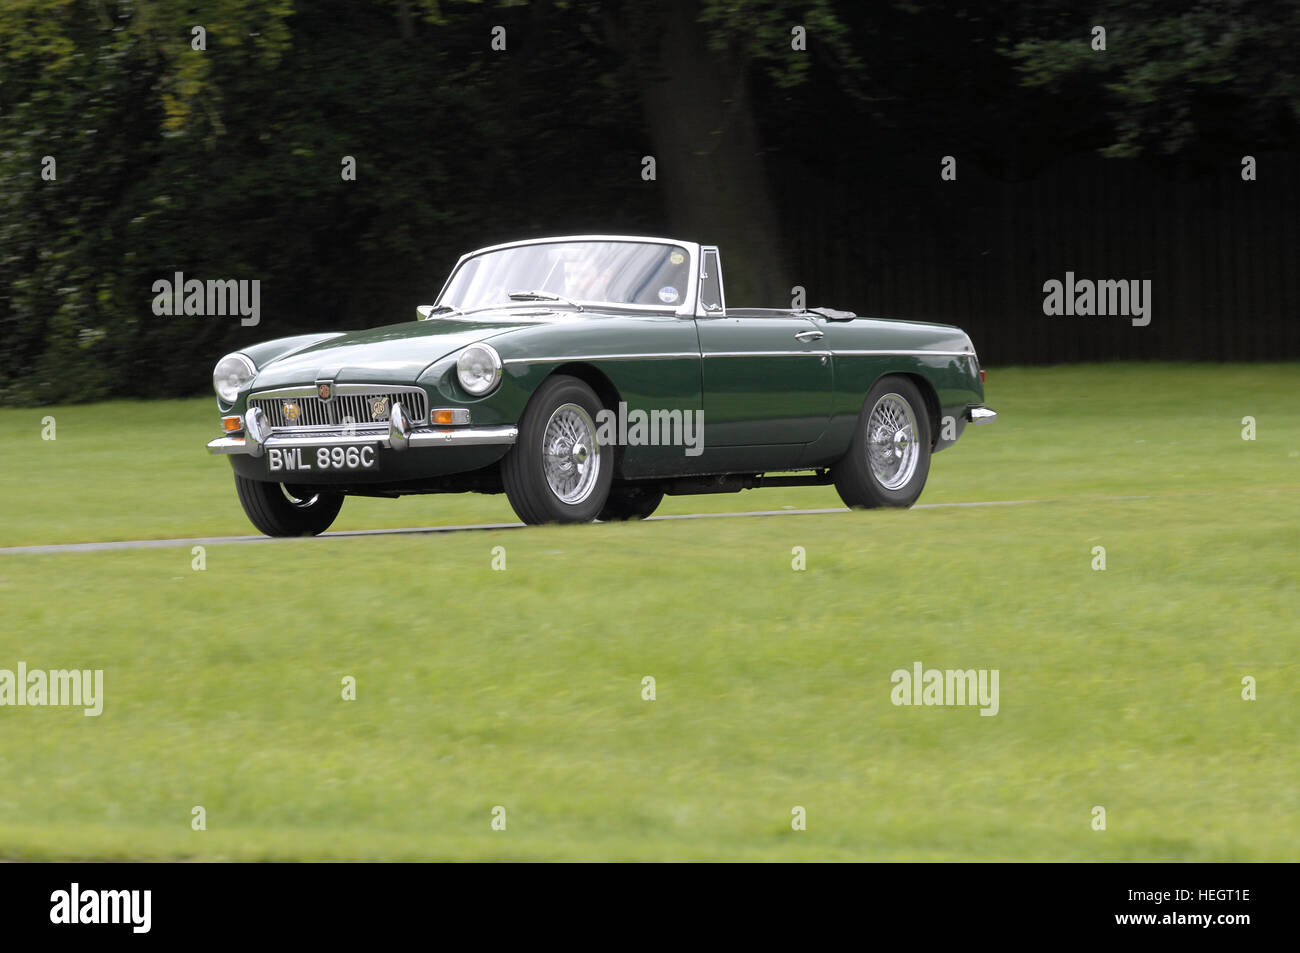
pixel 308 460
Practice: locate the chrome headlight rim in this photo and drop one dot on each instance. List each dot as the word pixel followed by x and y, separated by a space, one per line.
pixel 478 386
pixel 221 385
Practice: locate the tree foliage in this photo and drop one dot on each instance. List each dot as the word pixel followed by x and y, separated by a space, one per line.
pixel 225 162
pixel 1175 77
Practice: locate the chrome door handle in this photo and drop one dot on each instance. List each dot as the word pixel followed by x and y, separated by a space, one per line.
pixel 810 335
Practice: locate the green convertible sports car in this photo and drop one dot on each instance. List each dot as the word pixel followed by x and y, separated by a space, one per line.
pixel 586 377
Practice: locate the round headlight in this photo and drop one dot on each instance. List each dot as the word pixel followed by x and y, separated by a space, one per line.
pixel 231 374
pixel 479 369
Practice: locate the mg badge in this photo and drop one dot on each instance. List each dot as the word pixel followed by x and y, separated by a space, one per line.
pixel 379 408
pixel 290 411
pixel 325 390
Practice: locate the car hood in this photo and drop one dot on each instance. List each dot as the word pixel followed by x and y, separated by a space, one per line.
pixel 395 354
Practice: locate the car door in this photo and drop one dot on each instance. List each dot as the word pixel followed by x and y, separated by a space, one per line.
pixel 767 378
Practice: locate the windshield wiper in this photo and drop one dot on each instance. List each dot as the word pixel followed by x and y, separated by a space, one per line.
pixel 542 296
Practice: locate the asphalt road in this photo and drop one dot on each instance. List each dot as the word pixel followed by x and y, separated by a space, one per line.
pixel 240 540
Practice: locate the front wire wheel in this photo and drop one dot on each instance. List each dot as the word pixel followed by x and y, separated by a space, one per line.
pixel 557 471
pixel 570 457
pixel 286 509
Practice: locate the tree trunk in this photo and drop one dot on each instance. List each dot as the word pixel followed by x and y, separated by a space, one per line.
pixel 707 155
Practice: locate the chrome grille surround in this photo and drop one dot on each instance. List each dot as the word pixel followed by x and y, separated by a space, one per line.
pixel 329 417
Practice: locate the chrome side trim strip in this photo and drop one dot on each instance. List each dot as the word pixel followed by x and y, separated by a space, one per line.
pixel 809 353
pixel 678 355
pixel 659 356
pixel 901 353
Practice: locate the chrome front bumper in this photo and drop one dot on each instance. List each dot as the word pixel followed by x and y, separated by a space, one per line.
pixel 258 437
pixel 981 415
pixel 477 437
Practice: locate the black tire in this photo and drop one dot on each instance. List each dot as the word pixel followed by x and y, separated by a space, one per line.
pixel 524 469
pixel 279 509
pixel 862 485
pixel 630 503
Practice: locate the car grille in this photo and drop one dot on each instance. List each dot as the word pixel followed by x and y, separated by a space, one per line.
pixel 366 410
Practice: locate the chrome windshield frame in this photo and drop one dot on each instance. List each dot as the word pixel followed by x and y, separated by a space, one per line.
pixel 686 308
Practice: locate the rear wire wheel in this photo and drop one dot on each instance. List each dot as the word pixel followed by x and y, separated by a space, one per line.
pixel 631 503
pixel 889 459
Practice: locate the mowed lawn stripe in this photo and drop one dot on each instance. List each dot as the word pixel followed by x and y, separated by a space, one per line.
pixel 523 689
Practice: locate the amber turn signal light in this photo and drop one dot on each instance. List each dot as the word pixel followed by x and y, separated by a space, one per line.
pixel 449 416
pixel 231 424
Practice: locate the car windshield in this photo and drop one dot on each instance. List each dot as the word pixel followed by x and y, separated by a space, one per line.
pixel 572 273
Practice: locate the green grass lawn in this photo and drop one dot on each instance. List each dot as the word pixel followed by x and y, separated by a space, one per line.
pixel 523 688
pixel 131 470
